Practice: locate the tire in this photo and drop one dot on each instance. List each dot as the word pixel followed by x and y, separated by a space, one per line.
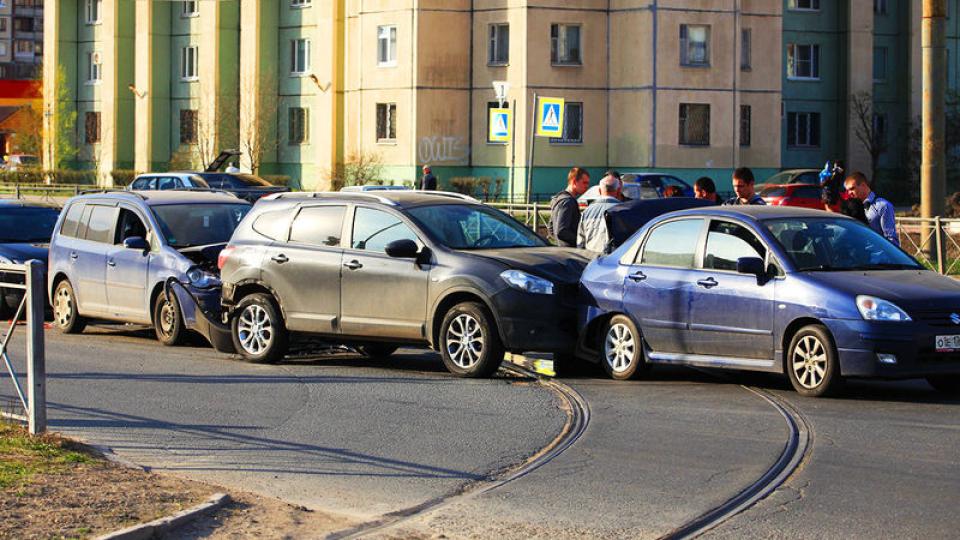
pixel 6 312
pixel 168 321
pixel 377 350
pixel 65 315
pixel 258 331
pixel 813 365
pixel 469 342
pixel 621 351
pixel 945 384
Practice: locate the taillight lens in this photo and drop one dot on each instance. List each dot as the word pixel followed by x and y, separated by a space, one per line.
pixel 224 255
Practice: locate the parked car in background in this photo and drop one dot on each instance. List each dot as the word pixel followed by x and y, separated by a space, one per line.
pixel 25 231
pixel 17 162
pixel 372 187
pixel 631 191
pixel 461 277
pixel 245 186
pixel 113 252
pixel 802 195
pixel 161 181
pixel 816 296
pixel 659 181
pixel 795 176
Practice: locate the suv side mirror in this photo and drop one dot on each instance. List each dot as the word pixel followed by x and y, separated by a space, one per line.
pixel 751 265
pixel 402 249
pixel 136 242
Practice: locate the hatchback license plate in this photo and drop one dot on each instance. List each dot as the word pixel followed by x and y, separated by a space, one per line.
pixel 948 343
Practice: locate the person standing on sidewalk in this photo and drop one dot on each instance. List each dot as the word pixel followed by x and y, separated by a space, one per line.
pixel 704 188
pixel 592 233
pixel 564 209
pixel 428 182
pixel 743 183
pixel 880 214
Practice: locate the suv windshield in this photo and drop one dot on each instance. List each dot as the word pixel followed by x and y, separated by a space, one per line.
pixel 831 244
pixel 474 226
pixel 25 225
pixel 188 225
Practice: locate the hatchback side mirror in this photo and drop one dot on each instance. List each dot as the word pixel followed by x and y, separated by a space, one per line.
pixel 136 242
pixel 402 249
pixel 751 265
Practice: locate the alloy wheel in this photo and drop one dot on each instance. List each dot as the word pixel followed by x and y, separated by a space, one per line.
pixel 619 348
pixel 465 341
pixel 255 329
pixel 809 362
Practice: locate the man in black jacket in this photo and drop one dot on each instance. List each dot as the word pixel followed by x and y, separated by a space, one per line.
pixel 428 182
pixel 564 209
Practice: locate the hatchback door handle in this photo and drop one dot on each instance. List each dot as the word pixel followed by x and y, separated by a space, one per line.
pixel 637 276
pixel 353 265
pixel 708 283
pixel 279 259
pixel 74 256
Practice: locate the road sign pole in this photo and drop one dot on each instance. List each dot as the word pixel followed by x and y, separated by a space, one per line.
pixel 533 146
pixel 513 148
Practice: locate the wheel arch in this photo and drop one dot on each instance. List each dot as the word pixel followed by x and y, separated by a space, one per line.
pixel 792 329
pixel 451 299
pixel 247 287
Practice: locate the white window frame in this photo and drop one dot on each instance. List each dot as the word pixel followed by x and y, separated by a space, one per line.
pixel 92 11
pixel 807 121
pixel 3 48
pixel 556 58
pixel 305 125
pixel 386 139
pixel 494 54
pixel 685 46
pixel 94 68
pixel 300 4
pixel 793 50
pixel 295 57
pixel 811 5
pixel 187 11
pixel 387 35
pixel 190 71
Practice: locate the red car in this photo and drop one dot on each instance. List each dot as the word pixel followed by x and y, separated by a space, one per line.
pixel 803 195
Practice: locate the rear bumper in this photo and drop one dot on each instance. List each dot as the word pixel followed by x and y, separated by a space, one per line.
pixel 862 343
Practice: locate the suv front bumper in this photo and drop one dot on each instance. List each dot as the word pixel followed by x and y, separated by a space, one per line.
pixel 536 322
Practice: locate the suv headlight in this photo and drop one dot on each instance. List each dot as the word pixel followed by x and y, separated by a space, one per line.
pixel 877 309
pixel 525 282
pixel 202 280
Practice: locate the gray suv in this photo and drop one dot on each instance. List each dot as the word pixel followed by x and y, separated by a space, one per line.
pixel 398 267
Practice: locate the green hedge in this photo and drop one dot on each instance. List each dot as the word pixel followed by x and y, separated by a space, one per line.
pixel 63 176
pixel 123 177
pixel 277 179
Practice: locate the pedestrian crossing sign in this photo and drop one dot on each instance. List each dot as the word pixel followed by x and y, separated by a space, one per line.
pixel 550 117
pixel 501 125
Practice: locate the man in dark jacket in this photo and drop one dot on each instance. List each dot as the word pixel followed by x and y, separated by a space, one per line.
pixel 743 183
pixel 428 182
pixel 564 209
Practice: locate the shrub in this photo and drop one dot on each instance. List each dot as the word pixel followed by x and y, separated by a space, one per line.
pixel 123 177
pixel 277 179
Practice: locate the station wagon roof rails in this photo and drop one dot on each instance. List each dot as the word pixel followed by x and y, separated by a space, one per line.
pixel 451 194
pixel 205 190
pixel 331 195
pixel 113 190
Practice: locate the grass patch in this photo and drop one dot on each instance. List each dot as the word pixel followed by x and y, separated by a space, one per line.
pixel 23 455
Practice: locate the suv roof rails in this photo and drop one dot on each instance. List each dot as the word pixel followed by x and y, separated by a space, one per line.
pixel 113 190
pixel 330 195
pixel 204 190
pixel 451 194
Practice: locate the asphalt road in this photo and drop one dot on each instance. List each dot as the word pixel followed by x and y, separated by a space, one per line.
pixel 365 438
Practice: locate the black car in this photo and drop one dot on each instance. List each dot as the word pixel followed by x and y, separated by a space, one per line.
pixel 398 267
pixel 25 231
pixel 249 187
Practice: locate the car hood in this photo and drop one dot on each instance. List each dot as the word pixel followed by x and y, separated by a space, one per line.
pixel 25 252
pixel 909 289
pixel 561 265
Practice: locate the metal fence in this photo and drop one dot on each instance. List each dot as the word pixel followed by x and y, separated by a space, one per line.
pixel 28 278
pixel 935 242
pixel 50 192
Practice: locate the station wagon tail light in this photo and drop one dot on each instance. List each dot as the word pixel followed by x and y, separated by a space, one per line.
pixel 877 309
pixel 525 282
pixel 224 254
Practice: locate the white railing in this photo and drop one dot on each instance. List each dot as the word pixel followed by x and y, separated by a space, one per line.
pixel 27 277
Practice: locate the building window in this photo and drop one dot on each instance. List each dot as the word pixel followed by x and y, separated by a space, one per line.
pixel 299 56
pixel 803 129
pixel 694 45
pixel 572 124
pixel 91 127
pixel 188 126
pixel 300 3
pixel 498 53
pixel 4 24
pixel 387 45
pixel 3 51
pixel 803 61
pixel 494 105
pixel 24 48
pixel 298 124
pixel 745 113
pixel 880 7
pixel 695 124
pixel 23 24
pixel 879 64
pixel 386 122
pixel 565 45
pixel 746 46
pixel 879 130
pixel 93 11
pixel 189 58
pixel 190 8
pixel 803 5
pixel 94 67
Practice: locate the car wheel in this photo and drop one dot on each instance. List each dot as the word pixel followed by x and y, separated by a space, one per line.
pixel 812 365
pixel 377 350
pixel 65 314
pixel 622 350
pixel 469 342
pixel 947 384
pixel 168 321
pixel 258 331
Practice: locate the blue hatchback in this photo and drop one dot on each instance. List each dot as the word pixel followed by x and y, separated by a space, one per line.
pixel 814 295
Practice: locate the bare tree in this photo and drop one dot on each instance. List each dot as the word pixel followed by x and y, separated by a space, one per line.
pixel 358 169
pixel 216 128
pixel 869 131
pixel 258 112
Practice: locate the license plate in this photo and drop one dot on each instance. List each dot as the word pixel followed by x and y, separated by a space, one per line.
pixel 948 343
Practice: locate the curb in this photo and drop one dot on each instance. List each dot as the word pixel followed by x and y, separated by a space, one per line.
pixel 157 527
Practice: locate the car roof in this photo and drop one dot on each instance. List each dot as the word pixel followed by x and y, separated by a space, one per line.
pixel 161 197
pixel 20 203
pixel 758 212
pixel 172 173
pixel 395 198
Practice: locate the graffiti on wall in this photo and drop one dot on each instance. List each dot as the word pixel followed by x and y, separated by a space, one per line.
pixel 442 149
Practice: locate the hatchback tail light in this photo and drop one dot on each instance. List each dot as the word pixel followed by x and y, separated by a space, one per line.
pixel 224 255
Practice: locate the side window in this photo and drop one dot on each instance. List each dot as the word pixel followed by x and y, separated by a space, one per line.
pixel 318 225
pixel 129 225
pixel 167 182
pixel 273 225
pixel 72 220
pixel 808 192
pixel 100 226
pixel 727 242
pixel 139 183
pixel 673 244
pixel 374 229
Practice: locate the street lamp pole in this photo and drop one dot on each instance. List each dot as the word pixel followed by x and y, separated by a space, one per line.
pixel 932 167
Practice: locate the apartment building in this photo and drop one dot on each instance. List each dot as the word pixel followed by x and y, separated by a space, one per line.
pixel 689 87
pixel 21 39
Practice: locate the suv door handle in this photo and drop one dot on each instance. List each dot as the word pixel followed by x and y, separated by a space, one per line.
pixel 279 259
pixel 73 255
pixel 637 276
pixel 353 265
pixel 708 283
pixel 111 262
